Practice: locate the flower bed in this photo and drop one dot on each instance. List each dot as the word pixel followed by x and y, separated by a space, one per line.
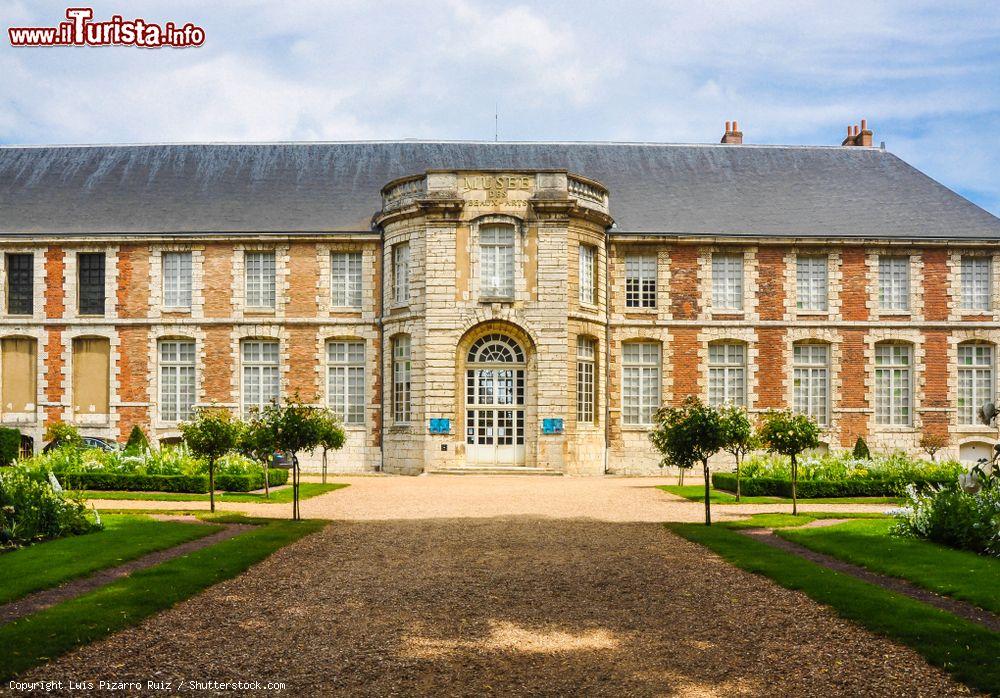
pixel 31 511
pixel 817 489
pixel 953 517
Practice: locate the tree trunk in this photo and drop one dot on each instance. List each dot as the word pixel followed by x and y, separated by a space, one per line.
pixel 680 476
pixel 795 477
pixel 211 484
pixel 324 465
pixel 295 487
pixel 708 497
pixel 737 478
pixel 267 479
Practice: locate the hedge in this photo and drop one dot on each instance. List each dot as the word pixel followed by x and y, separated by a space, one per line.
pixel 97 480
pixel 818 489
pixel 250 481
pixel 10 445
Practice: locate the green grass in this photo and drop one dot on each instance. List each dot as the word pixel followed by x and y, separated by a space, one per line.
pixel 124 538
pixel 41 636
pixel 278 496
pixel 790 521
pixel 958 573
pixel 966 650
pixel 696 493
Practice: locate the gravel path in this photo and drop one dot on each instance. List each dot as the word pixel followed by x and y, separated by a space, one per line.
pixel 536 590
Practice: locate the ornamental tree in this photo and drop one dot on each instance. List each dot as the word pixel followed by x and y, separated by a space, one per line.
pixel 738 437
pixel 789 434
pixel 211 434
pixel 331 435
pixel 295 427
pixel 137 443
pixel 932 443
pixel 256 442
pixel 689 434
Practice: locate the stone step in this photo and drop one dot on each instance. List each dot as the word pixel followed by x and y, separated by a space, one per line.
pixel 493 470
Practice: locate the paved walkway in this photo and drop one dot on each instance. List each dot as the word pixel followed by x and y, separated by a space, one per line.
pixel 506 586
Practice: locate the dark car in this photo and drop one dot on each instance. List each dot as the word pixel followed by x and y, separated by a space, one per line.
pixel 88 442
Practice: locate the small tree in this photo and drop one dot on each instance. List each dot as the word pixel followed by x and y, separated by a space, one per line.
pixel 689 434
pixel 257 443
pixel 738 437
pixel 861 451
pixel 64 434
pixel 331 435
pixel 295 427
pixel 211 434
pixel 137 441
pixel 789 434
pixel 932 443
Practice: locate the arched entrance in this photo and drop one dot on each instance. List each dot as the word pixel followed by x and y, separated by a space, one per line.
pixel 494 402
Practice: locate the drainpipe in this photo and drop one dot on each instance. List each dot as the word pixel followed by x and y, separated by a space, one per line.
pixel 381 346
pixel 607 346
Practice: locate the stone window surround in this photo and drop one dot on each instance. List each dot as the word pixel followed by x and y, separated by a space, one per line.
pixel 324 294
pixel 342 334
pixel 746 336
pixel 916 309
pixel 915 339
pixel 956 311
pixel 963 336
pixel 831 338
pixel 751 275
pixel 520 282
pixel 282 285
pixel 165 332
pixel 266 332
pixel 104 331
pixel 834 280
pixel 156 307
pixel 70 283
pixel 410 237
pixel 38 282
pixel 40 335
pixel 663 344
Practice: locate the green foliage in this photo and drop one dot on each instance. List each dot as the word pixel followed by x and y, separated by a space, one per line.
pixel 897 467
pixel 786 433
pixel 133 482
pixel 689 434
pixel 247 482
pixel 10 445
pixel 815 489
pixel 738 435
pixel 331 431
pixel 137 442
pixel 31 511
pixel 293 427
pixel 211 434
pixel 65 434
pixel 861 451
pixel 953 517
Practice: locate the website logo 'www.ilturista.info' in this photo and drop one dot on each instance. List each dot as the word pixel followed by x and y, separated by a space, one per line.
pixel 81 31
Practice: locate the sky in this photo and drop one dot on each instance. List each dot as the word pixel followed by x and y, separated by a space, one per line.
pixel 926 75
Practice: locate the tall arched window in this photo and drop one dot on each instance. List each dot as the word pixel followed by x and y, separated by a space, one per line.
pixel 496 261
pixel 401 379
pixel 345 367
pixel 975 379
pixel 727 374
pixel 640 381
pixel 811 381
pixel 261 373
pixel 893 384
pixel 586 380
pixel 177 379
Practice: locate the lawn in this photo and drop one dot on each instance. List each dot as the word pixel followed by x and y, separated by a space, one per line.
pixel 958 573
pixel 696 493
pixel 792 521
pixel 282 495
pixel 54 631
pixel 966 650
pixel 124 538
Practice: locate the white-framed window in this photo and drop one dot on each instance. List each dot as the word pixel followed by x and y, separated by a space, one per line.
pixel 812 286
pixel 893 381
pixel 496 261
pixel 976 283
pixel 261 373
pixel 588 275
pixel 401 273
pixel 640 281
pixel 586 360
pixel 401 379
pixel 975 380
pixel 893 282
pixel 811 381
pixel 345 380
pixel 727 281
pixel 345 279
pixel 260 278
pixel 640 382
pixel 176 279
pixel 727 371
pixel 177 380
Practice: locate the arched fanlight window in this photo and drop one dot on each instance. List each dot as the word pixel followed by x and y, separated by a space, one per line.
pixel 494 349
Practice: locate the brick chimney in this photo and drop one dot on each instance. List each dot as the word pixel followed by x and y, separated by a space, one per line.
pixel 733 135
pixel 858 135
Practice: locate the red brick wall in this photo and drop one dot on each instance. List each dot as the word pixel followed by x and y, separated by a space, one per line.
pixel 218 270
pixel 686 364
pixel 303 267
pixel 854 292
pixel 771 368
pixel 771 282
pixel 853 373
pixel 133 281
pixel 301 376
pixel 133 374
pixel 937 290
pixel 53 374
pixel 55 264
pixel 218 364
pixel 684 297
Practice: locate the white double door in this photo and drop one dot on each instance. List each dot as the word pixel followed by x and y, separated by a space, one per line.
pixel 494 421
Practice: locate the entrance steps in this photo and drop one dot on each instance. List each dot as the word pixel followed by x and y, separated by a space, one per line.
pixel 493 470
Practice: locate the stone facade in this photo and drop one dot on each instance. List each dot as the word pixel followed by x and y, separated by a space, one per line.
pixel 451 306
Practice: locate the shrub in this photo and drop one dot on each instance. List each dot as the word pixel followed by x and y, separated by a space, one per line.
pixel 819 489
pixel 844 466
pixel 10 445
pixel 861 451
pixel 133 482
pixel 247 482
pixel 953 517
pixel 137 441
pixel 63 433
pixel 31 511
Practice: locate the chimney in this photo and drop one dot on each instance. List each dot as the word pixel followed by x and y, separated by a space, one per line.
pixel 733 135
pixel 859 135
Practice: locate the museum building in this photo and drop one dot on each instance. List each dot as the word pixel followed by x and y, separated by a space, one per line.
pixel 495 305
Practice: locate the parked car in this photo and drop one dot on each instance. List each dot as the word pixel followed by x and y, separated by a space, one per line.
pixel 88 442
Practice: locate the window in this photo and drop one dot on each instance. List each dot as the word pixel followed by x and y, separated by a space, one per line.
pixel 892 384
pixel 177 279
pixel 811 381
pixel 91 283
pixel 894 283
pixel 91 384
pixel 586 356
pixel 727 281
pixel 260 271
pixel 345 279
pixel 401 379
pixel 726 374
pixel 177 381
pixel 640 281
pixel 975 380
pixel 401 273
pixel 20 284
pixel 261 374
pixel 811 283
pixel 588 274
pixel 345 375
pixel 976 272
pixel 640 382
pixel 496 261
pixel 20 374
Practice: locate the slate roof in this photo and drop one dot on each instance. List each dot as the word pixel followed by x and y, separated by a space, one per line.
pixel 725 190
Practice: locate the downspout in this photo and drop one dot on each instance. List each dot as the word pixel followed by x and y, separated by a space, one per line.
pixel 607 346
pixel 381 347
